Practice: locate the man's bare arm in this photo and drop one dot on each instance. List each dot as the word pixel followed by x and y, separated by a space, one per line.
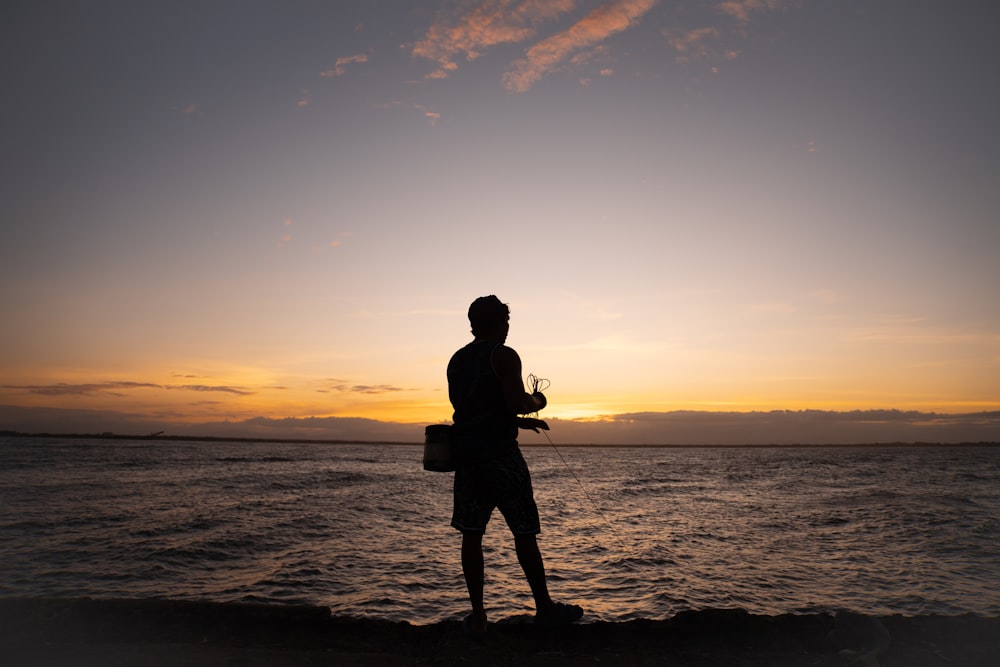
pixel 507 365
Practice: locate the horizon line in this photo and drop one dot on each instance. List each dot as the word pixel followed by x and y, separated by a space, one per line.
pixel 342 441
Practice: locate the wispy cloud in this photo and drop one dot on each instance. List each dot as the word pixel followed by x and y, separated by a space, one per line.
pixel 343 386
pixel 187 109
pixel 340 67
pixel 483 25
pixel 375 389
pixel 340 239
pixel 286 235
pixel 84 389
pixel 239 391
pixel 488 24
pixel 550 53
pixel 430 115
pixel 704 42
pixel 741 10
pixel 694 43
pixel 117 388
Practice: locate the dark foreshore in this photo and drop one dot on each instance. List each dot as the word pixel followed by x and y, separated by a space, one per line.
pixel 86 632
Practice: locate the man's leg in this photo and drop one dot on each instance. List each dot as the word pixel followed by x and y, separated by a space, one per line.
pixel 530 558
pixel 547 612
pixel 474 571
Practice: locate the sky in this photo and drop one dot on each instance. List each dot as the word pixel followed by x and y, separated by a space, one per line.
pixel 271 217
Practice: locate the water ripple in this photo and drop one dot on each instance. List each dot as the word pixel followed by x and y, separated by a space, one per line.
pixel 363 530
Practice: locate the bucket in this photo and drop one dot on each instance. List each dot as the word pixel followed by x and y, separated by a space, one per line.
pixel 437 448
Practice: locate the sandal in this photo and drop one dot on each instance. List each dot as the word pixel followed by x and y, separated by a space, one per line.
pixel 471 631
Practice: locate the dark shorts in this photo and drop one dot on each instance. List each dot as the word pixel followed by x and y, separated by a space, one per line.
pixel 503 483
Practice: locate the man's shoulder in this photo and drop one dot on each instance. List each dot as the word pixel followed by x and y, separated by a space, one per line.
pixel 457 355
pixel 495 352
pixel 463 353
pixel 507 357
pixel 501 348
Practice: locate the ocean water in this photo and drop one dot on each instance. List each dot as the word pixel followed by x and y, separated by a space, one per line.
pixel 627 532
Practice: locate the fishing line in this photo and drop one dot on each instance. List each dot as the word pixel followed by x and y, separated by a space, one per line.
pixel 537 384
pixel 540 384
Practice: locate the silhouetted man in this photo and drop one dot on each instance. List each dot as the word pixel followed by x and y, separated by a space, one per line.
pixel 487 393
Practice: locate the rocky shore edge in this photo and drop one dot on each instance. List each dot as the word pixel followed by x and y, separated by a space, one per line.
pixel 84 631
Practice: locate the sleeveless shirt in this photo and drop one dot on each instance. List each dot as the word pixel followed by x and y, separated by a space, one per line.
pixel 484 427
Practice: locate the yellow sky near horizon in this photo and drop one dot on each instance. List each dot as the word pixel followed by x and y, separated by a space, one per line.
pixel 730 370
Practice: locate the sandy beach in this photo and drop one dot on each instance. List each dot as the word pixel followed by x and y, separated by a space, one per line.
pixel 85 632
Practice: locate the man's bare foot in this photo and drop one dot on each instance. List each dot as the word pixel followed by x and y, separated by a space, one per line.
pixel 558 613
pixel 474 625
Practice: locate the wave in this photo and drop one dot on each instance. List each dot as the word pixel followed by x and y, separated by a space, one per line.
pixel 636 533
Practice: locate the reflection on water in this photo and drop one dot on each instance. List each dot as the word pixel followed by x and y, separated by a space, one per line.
pixel 363 529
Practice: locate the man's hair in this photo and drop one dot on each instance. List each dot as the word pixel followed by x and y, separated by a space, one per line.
pixel 487 312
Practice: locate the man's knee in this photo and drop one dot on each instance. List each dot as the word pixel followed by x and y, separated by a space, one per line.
pixel 525 539
pixel 472 538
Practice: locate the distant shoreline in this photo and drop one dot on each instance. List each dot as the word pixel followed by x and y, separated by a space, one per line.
pixel 328 441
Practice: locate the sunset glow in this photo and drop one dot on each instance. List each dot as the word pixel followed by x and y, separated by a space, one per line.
pixel 282 211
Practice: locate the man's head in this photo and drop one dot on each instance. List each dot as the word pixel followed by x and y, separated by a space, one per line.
pixel 488 315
